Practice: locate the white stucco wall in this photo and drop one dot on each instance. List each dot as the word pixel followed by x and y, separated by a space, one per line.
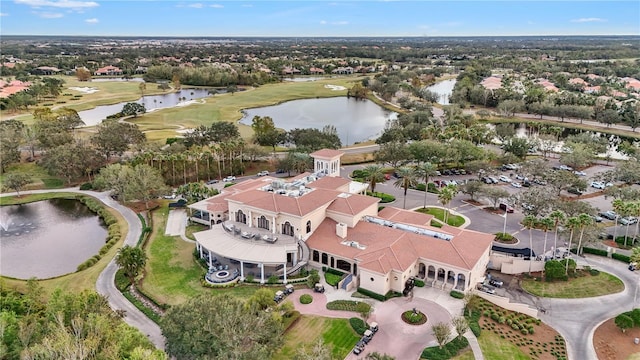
pixel 380 283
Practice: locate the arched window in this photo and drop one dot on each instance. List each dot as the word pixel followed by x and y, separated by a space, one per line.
pixel 316 256
pixel 287 229
pixel 308 226
pixel 263 223
pixel 241 217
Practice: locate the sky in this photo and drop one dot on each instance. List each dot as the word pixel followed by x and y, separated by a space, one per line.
pixel 300 18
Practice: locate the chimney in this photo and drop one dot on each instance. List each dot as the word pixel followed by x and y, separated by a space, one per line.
pixel 341 230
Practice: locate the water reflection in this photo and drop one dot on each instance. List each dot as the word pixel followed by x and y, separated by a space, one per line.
pixel 355 120
pixel 47 238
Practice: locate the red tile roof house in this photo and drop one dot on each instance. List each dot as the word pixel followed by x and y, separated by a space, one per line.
pixel 108 71
pixel 316 71
pixel 274 227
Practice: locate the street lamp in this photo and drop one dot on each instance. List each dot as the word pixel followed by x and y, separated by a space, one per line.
pixel 504 228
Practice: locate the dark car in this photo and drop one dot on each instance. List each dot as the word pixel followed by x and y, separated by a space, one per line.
pixel 575 191
pixel 359 347
pixel 214 181
pixel 506 208
pixel 496 282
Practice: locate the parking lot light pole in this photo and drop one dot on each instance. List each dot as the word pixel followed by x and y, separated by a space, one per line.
pixel 504 228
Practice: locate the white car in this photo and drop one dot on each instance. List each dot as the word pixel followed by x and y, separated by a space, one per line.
pixel 263 173
pixel 597 185
pixel 229 178
pixel 504 178
pixel 580 173
pixel 516 184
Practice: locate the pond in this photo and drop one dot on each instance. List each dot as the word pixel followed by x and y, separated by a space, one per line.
pixel 443 89
pixel 355 120
pixel 151 103
pixel 48 238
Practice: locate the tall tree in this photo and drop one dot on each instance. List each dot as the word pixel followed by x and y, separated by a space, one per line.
pixel 11 132
pixel 373 174
pixel 114 137
pixel 406 179
pixel 558 218
pixel 131 260
pixel 529 223
pixel 71 161
pixel 266 133
pixel 445 196
pixel 424 171
pixel 442 333
pixel 145 184
pixel 16 181
pixel 573 223
pixel 220 327
pixel 585 220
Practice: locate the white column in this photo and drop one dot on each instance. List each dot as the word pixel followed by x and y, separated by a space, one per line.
pixel 455 280
pixel 295 257
pixel 250 218
pixel 200 248
pixel 261 273
pixel 241 270
pixel 273 228
pixel 210 259
pixel 285 272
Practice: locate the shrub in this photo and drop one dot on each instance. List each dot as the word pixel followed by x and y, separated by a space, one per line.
pixel 86 186
pixel 594 272
pixel 306 299
pixel 273 279
pixel 345 305
pixel 620 257
pixel 358 325
pixel 456 294
pixel 419 283
pixel 624 322
pixel 588 250
pixel 436 223
pixel 372 294
pixel 504 237
pixel 475 328
pixel 432 188
pixel 384 198
pixel 448 351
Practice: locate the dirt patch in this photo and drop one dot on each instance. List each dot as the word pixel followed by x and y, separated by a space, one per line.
pixel 544 344
pixel 472 202
pixel 613 344
pixel 139 206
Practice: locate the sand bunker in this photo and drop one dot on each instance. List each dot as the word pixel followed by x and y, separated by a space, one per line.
pixel 85 90
pixel 335 87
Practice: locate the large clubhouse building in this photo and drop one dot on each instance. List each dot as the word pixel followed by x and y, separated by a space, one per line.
pixel 269 226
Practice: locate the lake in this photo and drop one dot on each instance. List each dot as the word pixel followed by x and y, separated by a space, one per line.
pixel 151 103
pixel 443 89
pixel 48 238
pixel 355 120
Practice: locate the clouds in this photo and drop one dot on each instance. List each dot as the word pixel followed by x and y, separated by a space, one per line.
pixel 92 21
pixel 60 4
pixel 3 14
pixel 48 15
pixel 588 20
pixel 200 6
pixel 336 23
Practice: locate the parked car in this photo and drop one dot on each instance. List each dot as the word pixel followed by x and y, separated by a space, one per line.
pixel 574 191
pixel 496 282
pixel 213 181
pixel 539 182
pixel 565 167
pixel 504 178
pixel 627 220
pixel 580 173
pixel 516 184
pixel 506 208
pixel 263 173
pixel 359 348
pixel 229 178
pixel 597 218
pixel 633 266
pixel 526 183
pixel 494 180
pixel 597 185
pixel 488 289
pixel 611 215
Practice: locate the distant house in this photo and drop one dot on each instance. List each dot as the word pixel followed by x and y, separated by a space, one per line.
pixel 547 85
pixel 9 88
pixel 140 70
pixel 316 71
pixel 108 71
pixel 46 70
pixel 492 83
pixel 347 70
pixel 578 82
pixel 290 71
pixel 631 83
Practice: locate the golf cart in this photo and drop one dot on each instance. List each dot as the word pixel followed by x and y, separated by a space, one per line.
pixel 368 335
pixel 359 347
pixel 288 289
pixel 319 288
pixel 373 327
pixel 279 296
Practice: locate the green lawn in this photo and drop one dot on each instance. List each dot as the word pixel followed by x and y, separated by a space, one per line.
pixel 336 333
pixel 438 213
pixel 192 228
pixel 40 179
pixel 580 287
pixel 495 348
pixel 172 275
pixel 227 107
pixel 466 355
pixel 332 279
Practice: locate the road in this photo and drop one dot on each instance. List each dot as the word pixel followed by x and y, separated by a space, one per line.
pixel 105 284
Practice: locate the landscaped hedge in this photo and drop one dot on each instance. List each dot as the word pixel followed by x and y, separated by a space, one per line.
pixel 346 305
pixel 419 282
pixel 620 257
pixel 384 198
pixel 113 229
pixel 358 325
pixel 456 294
pixel 306 299
pixel 449 350
pixel 588 250
pixel 145 310
pixel 379 297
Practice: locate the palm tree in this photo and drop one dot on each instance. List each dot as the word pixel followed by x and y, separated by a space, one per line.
pixel 573 223
pixel 546 224
pixel 131 260
pixel 373 174
pixel 529 222
pixel 445 196
pixel 635 255
pixel 423 171
pixel 558 218
pixel 618 207
pixel 407 179
pixel 635 211
pixel 585 220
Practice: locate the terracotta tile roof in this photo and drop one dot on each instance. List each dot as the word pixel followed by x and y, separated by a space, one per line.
pixel 298 206
pixel 326 153
pixel 387 248
pixel 577 81
pixel 331 183
pixel 351 204
pixel 404 216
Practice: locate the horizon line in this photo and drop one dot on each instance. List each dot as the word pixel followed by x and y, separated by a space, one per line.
pixel 317 36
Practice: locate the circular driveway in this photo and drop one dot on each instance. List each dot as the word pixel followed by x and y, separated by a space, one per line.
pixel 394 337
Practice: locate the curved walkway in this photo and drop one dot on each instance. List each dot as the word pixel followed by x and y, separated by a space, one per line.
pixel 105 284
